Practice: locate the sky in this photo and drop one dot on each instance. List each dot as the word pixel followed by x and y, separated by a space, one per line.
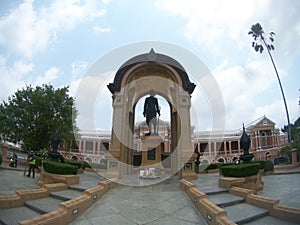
pixel 59 42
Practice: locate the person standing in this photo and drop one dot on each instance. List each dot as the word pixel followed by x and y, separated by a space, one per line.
pixel 31 165
pixel 15 160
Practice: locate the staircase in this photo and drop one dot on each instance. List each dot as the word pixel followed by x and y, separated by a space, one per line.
pixel 37 207
pixel 241 212
pixel 237 209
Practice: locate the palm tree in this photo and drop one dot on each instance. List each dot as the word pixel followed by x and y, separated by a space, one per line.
pixel 258 44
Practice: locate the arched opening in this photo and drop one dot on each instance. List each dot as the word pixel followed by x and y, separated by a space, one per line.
pixel 88 159
pixel 141 129
pixel 221 160
pixel 74 158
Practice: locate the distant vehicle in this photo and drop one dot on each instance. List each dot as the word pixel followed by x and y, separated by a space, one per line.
pixel 281 160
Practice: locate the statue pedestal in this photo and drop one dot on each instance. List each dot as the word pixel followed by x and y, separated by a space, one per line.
pixel 151 151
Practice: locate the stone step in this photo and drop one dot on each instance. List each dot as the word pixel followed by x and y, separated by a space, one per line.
pixel 77 187
pixel 12 216
pixel 271 220
pixel 225 199
pixel 244 213
pixel 66 195
pixel 214 191
pixel 43 205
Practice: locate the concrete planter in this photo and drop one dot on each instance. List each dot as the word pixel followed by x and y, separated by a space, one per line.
pixel 251 182
pixel 51 178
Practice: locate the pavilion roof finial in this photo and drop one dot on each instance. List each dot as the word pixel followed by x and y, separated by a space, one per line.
pixel 152 55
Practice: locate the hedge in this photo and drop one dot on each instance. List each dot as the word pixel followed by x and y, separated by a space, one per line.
pixel 74 163
pixel 85 165
pixel 38 161
pixel 269 166
pixel 59 168
pixel 240 170
pixel 262 163
pixel 213 166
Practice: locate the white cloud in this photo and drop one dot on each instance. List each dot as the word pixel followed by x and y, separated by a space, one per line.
pixel 11 78
pixel 221 27
pixel 49 76
pixel 27 31
pixel 276 112
pixel 99 29
pixel 243 88
pixel 210 23
pixel 78 67
pixel 93 101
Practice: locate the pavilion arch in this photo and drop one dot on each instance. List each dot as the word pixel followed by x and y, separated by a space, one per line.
pixel 134 80
pixel 74 158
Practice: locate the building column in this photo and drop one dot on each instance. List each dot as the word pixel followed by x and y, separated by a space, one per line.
pixel 83 147
pixel 215 149
pixel 256 139
pixel 239 147
pixel 79 146
pixel 94 148
pixel 99 147
pixel 230 151
pixel 225 147
pixel 209 148
pixel 273 138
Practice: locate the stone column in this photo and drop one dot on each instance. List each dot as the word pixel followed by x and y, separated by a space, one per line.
pixel 225 147
pixel 215 149
pixel 256 139
pixel 273 138
pixel 294 156
pixel 83 147
pixel 94 147
pixel 114 167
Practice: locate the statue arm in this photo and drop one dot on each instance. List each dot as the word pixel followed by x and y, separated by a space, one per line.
pixel 157 107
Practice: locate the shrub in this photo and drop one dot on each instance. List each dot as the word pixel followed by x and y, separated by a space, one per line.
pixel 269 166
pixel 240 170
pixel 262 164
pixel 213 166
pixel 221 165
pixel 74 163
pixel 59 168
pixel 38 161
pixel 85 165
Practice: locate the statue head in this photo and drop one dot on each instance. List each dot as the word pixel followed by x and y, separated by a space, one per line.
pixel 152 93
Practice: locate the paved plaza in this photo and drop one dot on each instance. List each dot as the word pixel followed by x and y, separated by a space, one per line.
pixel 161 203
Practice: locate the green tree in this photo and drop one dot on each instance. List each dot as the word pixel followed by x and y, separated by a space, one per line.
pixel 259 42
pixel 295 129
pixel 32 115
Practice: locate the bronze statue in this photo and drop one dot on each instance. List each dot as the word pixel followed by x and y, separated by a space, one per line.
pixel 245 142
pixel 151 108
pixel 55 141
pixel 54 154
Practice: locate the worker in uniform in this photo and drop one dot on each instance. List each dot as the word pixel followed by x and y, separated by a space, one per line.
pixel 31 164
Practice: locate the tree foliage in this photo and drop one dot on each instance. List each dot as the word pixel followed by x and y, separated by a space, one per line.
pixel 32 115
pixel 295 130
pixel 259 40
